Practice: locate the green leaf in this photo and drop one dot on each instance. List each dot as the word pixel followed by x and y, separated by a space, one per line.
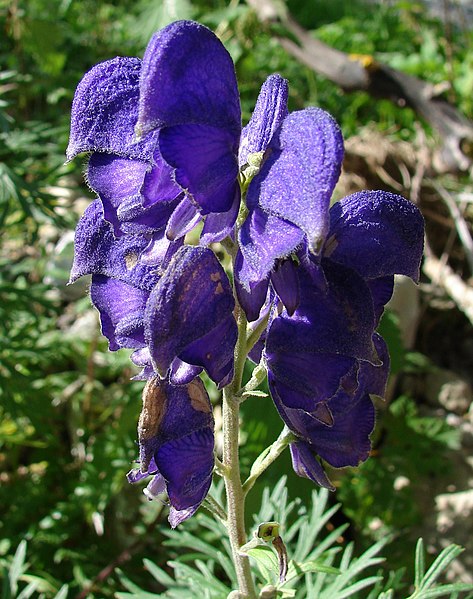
pixel 17 567
pixel 28 591
pixel 255 393
pixel 266 559
pixel 440 565
pixel 197 580
pixel 447 590
pixel 62 593
pixel 158 573
pixel 296 570
pixel 357 586
pixel 419 564
pixel 134 589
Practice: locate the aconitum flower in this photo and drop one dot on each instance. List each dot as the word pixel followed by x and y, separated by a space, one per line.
pixel 175 433
pixel 172 304
pixel 288 203
pixel 325 359
pixel 182 100
pixel 166 152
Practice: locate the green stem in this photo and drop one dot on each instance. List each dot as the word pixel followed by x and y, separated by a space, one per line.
pixel 233 486
pixel 258 376
pixel 255 334
pixel 219 468
pixel 267 457
pixel 215 508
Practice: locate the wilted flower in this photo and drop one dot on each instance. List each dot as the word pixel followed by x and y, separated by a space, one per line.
pixel 175 433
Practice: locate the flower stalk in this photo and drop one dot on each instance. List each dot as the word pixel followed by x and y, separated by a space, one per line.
pixel 233 486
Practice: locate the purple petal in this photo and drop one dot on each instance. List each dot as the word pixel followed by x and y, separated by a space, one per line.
pixel 302 380
pixel 297 180
pixel 263 239
pixel 338 321
pixel 190 300
pixel 214 351
pixel 119 183
pixel 374 378
pixel 155 487
pixel 205 161
pixel 347 442
pixel 160 250
pixel 121 309
pixel 187 465
pixel 176 517
pixel 105 111
pixel 344 442
pixel 170 412
pixel 135 475
pixel 188 77
pixel 306 465
pixel 176 439
pixel 159 184
pixel 286 284
pixel 136 220
pixel 115 179
pixel 269 112
pixel 251 300
pixel 141 357
pixel 381 292
pixel 97 251
pixel 376 233
pixel 92 241
pixel 219 225
pixel 183 219
pixel 182 373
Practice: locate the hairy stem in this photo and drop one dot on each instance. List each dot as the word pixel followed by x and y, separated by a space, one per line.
pixel 233 486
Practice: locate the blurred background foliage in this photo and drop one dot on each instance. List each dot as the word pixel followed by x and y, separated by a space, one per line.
pixel 68 409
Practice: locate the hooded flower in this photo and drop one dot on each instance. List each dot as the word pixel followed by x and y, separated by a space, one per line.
pixel 189 316
pixel 172 304
pixel 182 102
pixel 167 151
pixel 325 359
pixel 299 159
pixel 175 434
pixel 133 182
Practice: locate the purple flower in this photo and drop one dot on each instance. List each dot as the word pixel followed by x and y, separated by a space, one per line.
pixel 167 151
pixel 183 101
pixel 133 182
pixel 175 434
pixel 325 359
pixel 172 304
pixel 189 316
pixel 288 194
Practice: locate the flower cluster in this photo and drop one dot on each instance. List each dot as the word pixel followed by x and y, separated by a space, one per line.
pixel 167 152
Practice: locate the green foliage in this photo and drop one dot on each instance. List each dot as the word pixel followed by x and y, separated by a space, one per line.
pixel 387 494
pixel 18 583
pixel 425 586
pixel 321 563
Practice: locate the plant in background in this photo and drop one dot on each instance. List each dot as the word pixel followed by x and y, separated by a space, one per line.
pixel 309 282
